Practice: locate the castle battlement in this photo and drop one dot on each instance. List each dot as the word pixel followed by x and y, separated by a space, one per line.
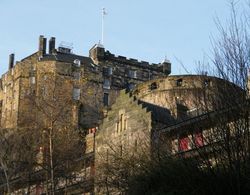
pixel 136 62
pixel 99 55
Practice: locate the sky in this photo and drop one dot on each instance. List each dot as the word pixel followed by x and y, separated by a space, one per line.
pixel 146 30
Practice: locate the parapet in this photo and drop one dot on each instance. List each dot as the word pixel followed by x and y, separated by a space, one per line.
pixel 99 54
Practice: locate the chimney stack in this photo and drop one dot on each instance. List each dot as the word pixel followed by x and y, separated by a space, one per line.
pixel 11 60
pixel 52 44
pixel 42 45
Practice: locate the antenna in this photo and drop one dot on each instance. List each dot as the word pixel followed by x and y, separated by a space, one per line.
pixel 103 14
pixel 66 44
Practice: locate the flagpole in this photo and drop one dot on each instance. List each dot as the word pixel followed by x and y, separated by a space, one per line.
pixel 103 13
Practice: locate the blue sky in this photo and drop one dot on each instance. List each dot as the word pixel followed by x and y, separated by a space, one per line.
pixel 142 29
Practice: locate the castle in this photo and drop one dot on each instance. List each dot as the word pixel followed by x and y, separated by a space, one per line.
pixel 108 97
pixel 99 76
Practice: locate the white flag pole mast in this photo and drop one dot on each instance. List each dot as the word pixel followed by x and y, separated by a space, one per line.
pixel 103 14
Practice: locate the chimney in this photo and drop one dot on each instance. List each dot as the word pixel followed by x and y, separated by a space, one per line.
pixel 52 44
pixel 11 60
pixel 42 45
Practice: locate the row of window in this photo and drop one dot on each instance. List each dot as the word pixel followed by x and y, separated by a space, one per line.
pixel 179 83
pixel 189 142
pixel 107 84
pixel 108 71
pixel 76 76
pixel 121 125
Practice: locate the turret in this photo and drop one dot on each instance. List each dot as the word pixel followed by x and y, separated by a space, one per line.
pixel 166 66
pixel 96 53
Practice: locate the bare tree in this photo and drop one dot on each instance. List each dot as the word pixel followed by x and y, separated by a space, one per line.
pixel 18 155
pixel 227 105
pixel 219 159
pixel 116 163
pixel 49 144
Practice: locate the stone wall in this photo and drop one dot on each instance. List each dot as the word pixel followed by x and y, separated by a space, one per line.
pixel 186 95
pixel 126 131
pixel 15 86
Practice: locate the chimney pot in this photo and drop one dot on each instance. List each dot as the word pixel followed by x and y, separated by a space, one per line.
pixel 11 60
pixel 42 45
pixel 52 44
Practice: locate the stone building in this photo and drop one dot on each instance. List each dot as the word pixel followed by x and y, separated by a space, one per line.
pixel 125 129
pixel 183 112
pixel 114 101
pixel 86 84
pixel 54 88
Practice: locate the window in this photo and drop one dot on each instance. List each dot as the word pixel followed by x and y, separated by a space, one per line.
pixel 77 63
pixel 106 84
pixel 153 86
pixel 198 139
pixel 76 94
pixel 132 74
pixel 107 71
pixel 175 146
pixel 179 82
pixel 147 74
pixel 106 99
pixel 94 67
pixel 110 71
pixel 32 80
pixel 122 122
pixel 32 77
pixel 77 75
pixel 206 136
pixel 207 83
pixel 184 144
